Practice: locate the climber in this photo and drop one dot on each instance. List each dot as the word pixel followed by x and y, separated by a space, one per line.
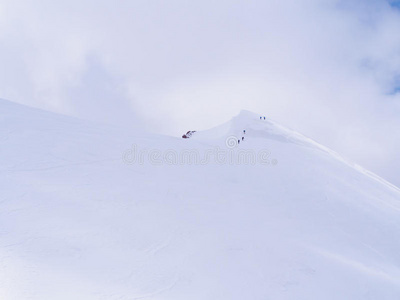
pixel 242 138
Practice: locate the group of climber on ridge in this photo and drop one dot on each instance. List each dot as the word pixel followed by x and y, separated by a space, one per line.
pixel 244 131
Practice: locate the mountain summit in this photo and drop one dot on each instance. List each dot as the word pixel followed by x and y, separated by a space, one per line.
pixel 246 210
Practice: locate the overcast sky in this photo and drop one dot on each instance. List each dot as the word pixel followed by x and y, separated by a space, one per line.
pixel 329 69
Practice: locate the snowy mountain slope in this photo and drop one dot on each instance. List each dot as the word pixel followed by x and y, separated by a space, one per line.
pixel 93 212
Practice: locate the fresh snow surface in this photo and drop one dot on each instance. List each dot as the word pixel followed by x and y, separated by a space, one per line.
pixel 88 211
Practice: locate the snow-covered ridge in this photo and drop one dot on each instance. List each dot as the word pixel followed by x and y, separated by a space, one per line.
pixel 300 139
pixel 270 130
pixel 79 223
